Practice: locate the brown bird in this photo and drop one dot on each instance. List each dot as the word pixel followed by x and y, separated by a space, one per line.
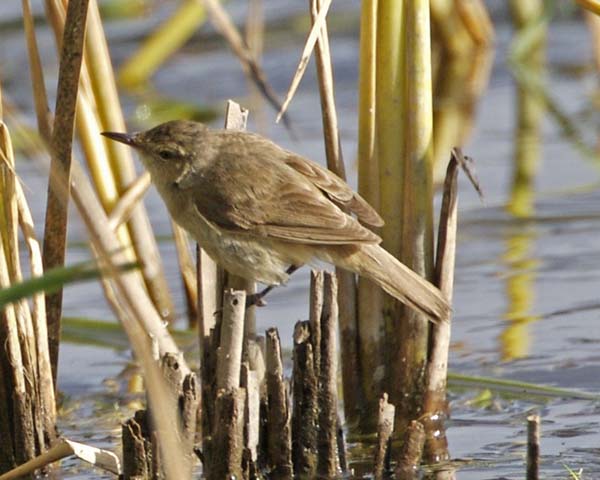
pixel 261 211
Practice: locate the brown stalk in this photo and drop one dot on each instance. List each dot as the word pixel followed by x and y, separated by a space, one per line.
pixel 279 442
pixel 55 228
pixel 434 402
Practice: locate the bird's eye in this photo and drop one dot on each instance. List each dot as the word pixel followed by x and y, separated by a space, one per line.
pixel 166 154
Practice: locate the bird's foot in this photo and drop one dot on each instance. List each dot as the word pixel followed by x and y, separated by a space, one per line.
pixel 256 299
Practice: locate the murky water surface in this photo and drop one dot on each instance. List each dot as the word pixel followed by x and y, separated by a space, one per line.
pixel 526 294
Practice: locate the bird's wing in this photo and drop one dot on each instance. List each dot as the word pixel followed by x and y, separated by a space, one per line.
pixel 335 188
pixel 270 198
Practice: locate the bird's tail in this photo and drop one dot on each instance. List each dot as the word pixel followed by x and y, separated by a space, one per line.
pixel 374 263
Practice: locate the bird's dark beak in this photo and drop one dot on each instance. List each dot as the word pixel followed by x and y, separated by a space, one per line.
pixel 126 138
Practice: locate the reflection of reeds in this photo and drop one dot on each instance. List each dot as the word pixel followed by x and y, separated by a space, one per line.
pixel 530 24
pixel 515 340
pixel 463 56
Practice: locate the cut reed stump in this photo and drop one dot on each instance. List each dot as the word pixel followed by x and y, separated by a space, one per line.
pixel 409 459
pixel 385 428
pixel 305 409
pixel 227 443
pixel 224 411
pixel 251 383
pixel 279 441
pixel 327 443
pixel 141 458
pixel 533 447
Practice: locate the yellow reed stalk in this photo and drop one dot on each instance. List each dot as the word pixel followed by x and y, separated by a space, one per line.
pixel 134 308
pixel 389 145
pixel 593 23
pixel 161 44
pixel 476 20
pixel 448 27
pixel 591 5
pixel 9 225
pixel 390 119
pixel 111 165
pixel 370 315
pixel 417 205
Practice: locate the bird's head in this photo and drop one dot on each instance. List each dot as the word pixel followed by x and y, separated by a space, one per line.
pixel 166 147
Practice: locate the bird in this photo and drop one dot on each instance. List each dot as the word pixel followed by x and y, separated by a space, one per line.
pixel 261 211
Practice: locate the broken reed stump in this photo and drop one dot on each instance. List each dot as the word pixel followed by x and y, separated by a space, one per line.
pixel 223 444
pixel 533 447
pixel 385 428
pixel 251 383
pixel 409 459
pixel 328 461
pixel 317 438
pixel 254 427
pixel 305 411
pixel 279 440
pixel 141 459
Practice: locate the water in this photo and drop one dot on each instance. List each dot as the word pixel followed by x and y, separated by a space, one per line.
pixel 526 301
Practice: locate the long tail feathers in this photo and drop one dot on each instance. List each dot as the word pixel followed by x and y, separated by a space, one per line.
pixel 398 280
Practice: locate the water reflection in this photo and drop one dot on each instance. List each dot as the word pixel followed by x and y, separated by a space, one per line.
pixel 529 67
pixel 521 264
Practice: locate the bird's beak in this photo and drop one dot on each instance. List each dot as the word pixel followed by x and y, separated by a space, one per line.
pixel 126 138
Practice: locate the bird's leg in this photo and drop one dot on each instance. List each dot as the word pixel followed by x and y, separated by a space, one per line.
pixel 257 299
